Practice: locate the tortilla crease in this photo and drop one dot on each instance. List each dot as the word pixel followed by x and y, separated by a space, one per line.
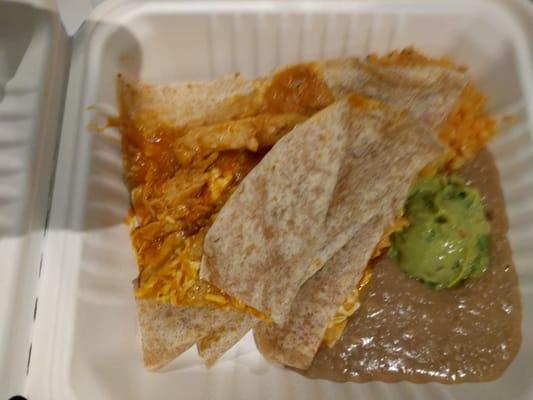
pixel 429 91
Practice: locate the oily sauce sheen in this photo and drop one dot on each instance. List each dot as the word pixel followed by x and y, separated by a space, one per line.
pixel 297 89
pixel 407 331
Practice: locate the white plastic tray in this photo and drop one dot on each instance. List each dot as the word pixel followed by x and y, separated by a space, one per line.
pixel 85 342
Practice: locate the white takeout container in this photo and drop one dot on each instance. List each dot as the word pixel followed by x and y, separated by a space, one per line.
pixel 68 320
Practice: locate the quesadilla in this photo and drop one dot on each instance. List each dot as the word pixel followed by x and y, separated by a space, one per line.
pixel 188 147
pixel 312 318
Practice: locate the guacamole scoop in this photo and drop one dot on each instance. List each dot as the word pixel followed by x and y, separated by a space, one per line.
pixel 447 239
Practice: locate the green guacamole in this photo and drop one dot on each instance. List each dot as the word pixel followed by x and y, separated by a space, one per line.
pixel 447 239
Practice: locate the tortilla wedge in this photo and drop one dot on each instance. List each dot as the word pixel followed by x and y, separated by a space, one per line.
pixel 330 211
pixel 167 331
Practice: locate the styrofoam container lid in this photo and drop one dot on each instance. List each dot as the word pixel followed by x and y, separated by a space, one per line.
pixel 85 341
pixel 33 66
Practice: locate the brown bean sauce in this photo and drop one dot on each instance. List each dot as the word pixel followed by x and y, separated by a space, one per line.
pixel 407 331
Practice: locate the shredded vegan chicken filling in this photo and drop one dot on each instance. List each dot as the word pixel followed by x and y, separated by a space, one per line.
pixel 180 179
